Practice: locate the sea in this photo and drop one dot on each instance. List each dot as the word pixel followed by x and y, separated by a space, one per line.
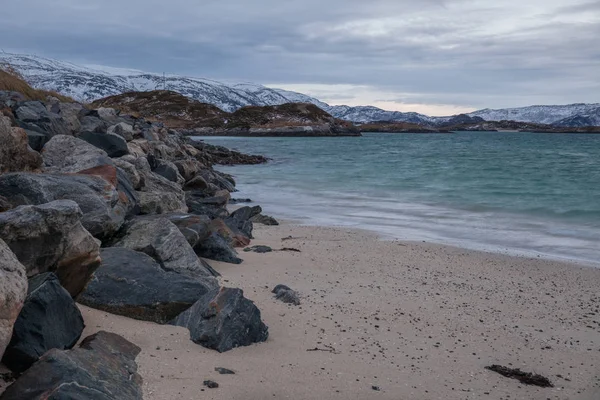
pixel 529 194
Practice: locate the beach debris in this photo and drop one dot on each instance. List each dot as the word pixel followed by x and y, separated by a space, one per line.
pixel 291 238
pixel 290 249
pixel 258 249
pixel 376 388
pixel 286 295
pixel 327 349
pixel 224 371
pixel 526 378
pixel 211 384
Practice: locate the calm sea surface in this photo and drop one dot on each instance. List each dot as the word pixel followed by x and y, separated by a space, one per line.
pixel 525 193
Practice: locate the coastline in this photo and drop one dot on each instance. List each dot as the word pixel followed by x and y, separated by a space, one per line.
pixel 416 320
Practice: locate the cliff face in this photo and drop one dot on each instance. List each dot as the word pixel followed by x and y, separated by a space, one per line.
pixel 196 118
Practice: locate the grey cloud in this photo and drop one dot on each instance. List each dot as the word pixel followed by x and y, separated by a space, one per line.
pixel 455 52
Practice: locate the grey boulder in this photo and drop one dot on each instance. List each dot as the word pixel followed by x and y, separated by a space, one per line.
pixel 104 210
pixel 223 320
pixel 15 153
pixel 68 154
pixel 33 115
pixel 133 284
pixel 13 290
pixel 162 240
pixel 50 238
pixel 286 295
pixel 114 145
pixel 48 320
pixel 102 368
pixel 217 248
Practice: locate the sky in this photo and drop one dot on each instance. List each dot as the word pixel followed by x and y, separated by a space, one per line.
pixel 437 57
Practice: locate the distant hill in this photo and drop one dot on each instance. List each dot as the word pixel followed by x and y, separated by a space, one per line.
pixel 179 112
pixel 87 84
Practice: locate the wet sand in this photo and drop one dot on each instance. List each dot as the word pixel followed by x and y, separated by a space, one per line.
pixel 414 320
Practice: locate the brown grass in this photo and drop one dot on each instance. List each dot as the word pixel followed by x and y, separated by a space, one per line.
pixel 11 80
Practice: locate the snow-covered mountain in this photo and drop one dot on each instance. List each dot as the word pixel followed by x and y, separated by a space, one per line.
pixel 94 82
pixel 87 84
pixel 543 114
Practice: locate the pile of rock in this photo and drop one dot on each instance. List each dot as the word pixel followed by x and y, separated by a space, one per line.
pixel 117 213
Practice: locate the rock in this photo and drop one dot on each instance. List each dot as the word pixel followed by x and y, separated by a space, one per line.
pixel 223 320
pixel 13 290
pixel 122 129
pixel 188 168
pixel 33 115
pixel 211 384
pixel 239 220
pixel 69 154
pixel 104 210
pixel 132 173
pixel 169 171
pixel 198 206
pixel 199 225
pixel 48 320
pixel 238 201
pixel 258 249
pixel 15 153
pixel 36 140
pixel 70 114
pixel 197 182
pixel 160 196
pixel 133 284
pixel 107 114
pixel 234 239
pixel 264 219
pixel 286 295
pixel 90 123
pixel 218 249
pixel 102 368
pixel 114 145
pixel 224 371
pixel 4 204
pixel 162 240
pixel 50 238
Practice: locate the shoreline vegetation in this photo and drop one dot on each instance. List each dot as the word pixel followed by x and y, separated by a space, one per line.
pixel 125 271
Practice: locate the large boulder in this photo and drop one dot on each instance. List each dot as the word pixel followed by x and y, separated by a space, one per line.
pixel 113 144
pixel 223 320
pixel 13 289
pixel 70 154
pixel 160 196
pixel 48 320
pixel 102 368
pixel 15 153
pixel 162 240
pixel 133 284
pixel 90 123
pixel 217 248
pixel 70 114
pixel 104 209
pixel 239 220
pixel 50 238
pixel 169 171
pixel 33 115
pixel 122 129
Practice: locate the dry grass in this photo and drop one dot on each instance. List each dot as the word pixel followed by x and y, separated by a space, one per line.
pixel 11 80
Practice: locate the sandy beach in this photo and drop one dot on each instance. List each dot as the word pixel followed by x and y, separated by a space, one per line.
pixel 385 320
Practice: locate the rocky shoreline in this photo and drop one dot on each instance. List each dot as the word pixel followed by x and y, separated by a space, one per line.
pixel 120 214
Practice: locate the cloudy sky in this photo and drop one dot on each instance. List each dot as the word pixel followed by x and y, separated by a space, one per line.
pixel 432 56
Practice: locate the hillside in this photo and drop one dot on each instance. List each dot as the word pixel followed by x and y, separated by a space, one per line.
pixel 179 112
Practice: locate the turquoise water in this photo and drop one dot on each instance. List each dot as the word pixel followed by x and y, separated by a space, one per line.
pixel 524 193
